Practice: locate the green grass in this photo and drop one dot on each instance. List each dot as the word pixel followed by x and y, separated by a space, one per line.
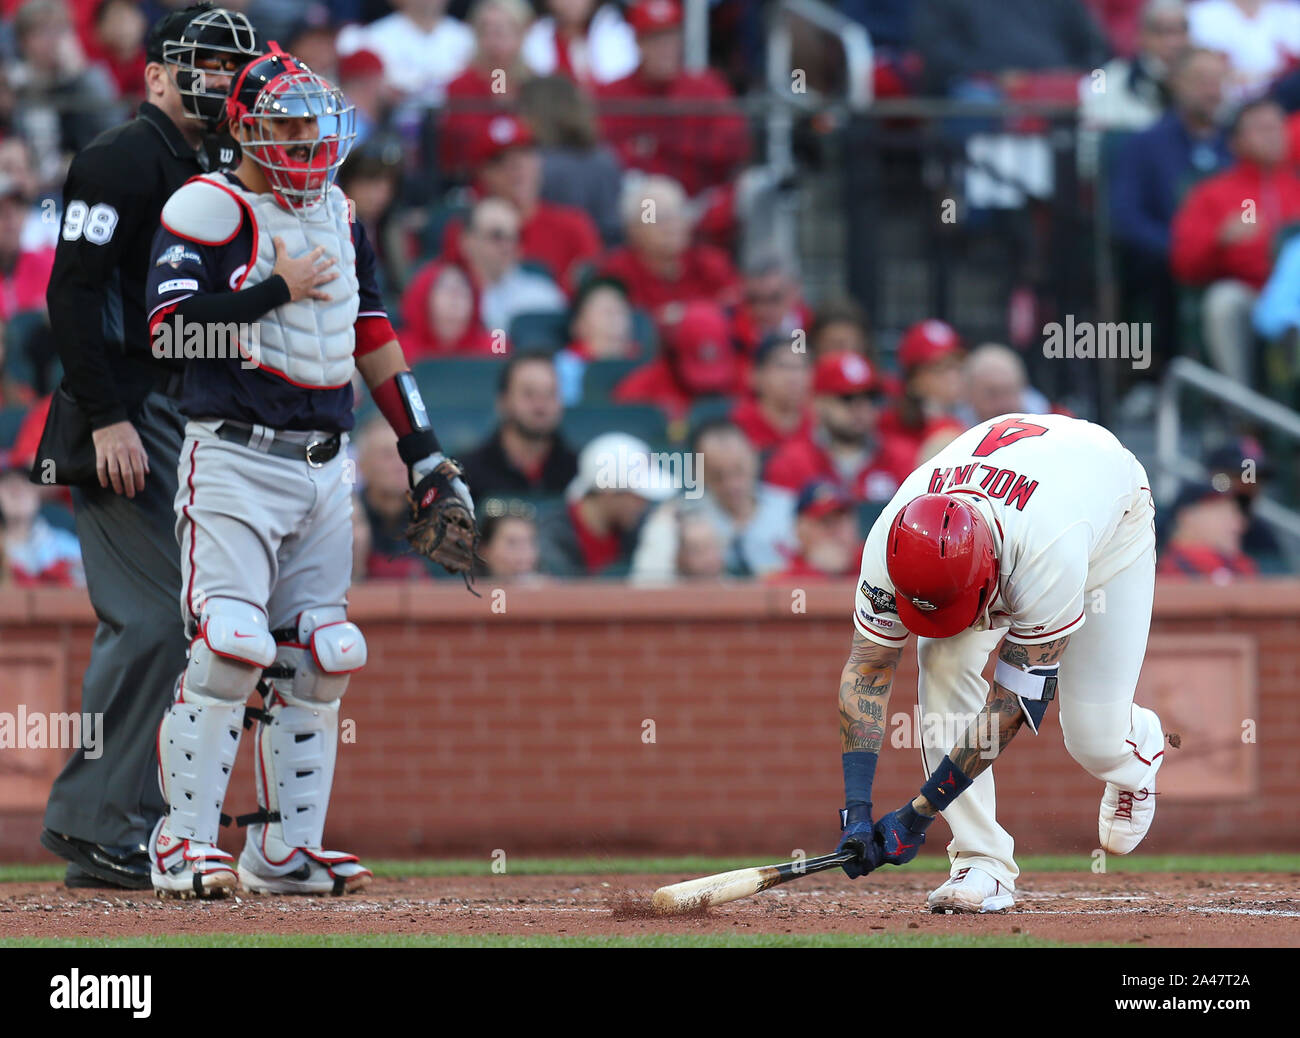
pixel 748 940
pixel 703 866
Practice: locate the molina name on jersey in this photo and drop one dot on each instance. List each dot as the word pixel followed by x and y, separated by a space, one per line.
pixel 1066 502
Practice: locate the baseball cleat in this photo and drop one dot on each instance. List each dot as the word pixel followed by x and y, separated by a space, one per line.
pixel 304 872
pixel 189 869
pixel 1125 817
pixel 971 889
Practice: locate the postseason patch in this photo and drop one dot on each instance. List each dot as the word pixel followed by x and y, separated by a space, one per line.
pixel 881 601
pixel 175 255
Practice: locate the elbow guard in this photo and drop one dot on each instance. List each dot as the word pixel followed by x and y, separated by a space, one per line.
pixel 1035 687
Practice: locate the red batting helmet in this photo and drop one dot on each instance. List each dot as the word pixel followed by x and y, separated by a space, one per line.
pixel 277 86
pixel 941 559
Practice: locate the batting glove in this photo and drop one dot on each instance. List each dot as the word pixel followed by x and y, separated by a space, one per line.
pixel 899 835
pixel 855 821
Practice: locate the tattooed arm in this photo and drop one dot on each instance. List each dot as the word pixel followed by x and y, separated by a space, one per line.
pixel 865 684
pixel 996 725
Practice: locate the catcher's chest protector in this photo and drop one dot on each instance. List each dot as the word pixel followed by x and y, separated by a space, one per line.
pixel 308 342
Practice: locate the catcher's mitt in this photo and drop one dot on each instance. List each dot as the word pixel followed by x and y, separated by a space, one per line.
pixel 442 520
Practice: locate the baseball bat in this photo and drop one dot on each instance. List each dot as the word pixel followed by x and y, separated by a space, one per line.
pixel 731 886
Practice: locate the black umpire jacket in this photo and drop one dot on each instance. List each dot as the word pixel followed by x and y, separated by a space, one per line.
pixel 114 193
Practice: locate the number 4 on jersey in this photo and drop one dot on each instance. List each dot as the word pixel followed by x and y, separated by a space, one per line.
pixel 1005 433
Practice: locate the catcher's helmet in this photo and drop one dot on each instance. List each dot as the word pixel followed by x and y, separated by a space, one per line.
pixel 187 39
pixel 941 559
pixel 276 88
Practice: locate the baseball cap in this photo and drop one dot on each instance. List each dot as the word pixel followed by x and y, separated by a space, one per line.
pixel 926 342
pixel 1193 493
pixel 844 374
pixel 500 133
pixel 821 498
pixel 360 63
pixel 620 461
pixel 647 16
pixel 701 348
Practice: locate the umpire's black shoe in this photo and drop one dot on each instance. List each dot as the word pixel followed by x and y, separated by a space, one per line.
pixel 93 864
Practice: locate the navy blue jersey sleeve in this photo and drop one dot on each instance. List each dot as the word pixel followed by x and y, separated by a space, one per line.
pixel 372 303
pixel 180 268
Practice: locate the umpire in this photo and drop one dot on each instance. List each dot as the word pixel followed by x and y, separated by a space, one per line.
pixel 114 434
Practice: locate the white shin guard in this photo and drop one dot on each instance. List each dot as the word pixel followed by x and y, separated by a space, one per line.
pixel 296 750
pixel 197 743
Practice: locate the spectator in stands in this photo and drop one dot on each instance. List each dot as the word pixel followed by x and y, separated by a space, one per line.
pixel 699 549
pixel 698 359
pixel 422 48
pixel 1131 93
pixel 845 447
pixel 1121 21
pixel 780 408
pixel 770 304
pixel 1151 174
pixel 578 169
pixel 490 245
pixel 840 326
pixel 371 177
pixel 558 237
pixel 587 41
pixel 1260 38
pixel 980 46
pixel 311 38
pixel 1225 232
pixel 1241 468
pixel 826 531
pixel 361 78
pixel 440 316
pixel 120 28
pixel 618 480
pixel 525 453
pixel 699 151
pixel 996 383
pixel 600 328
pixel 489 84
pixel 383 500
pixel 508 543
pixel 63 102
pixel 659 265
pixel 35 553
pixel 18 163
pixel 930 354
pixel 752 520
pixel 1206 541
pixel 24 272
pixel 361 540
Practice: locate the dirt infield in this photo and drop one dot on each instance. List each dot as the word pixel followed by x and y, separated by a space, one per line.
pixel 1152 909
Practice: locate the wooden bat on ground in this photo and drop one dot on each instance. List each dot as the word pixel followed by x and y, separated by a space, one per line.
pixel 731 886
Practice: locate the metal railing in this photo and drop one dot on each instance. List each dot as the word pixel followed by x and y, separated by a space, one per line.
pixel 1172 465
pixel 856 42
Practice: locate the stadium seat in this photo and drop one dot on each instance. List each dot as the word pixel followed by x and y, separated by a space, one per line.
pixel 708 409
pixel 458 382
pixel 584 423
pixel 461 429
pixel 644 333
pixel 601 376
pixel 11 418
pixel 868 513
pixel 539 331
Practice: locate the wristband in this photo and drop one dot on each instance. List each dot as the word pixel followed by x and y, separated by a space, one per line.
pixel 946 784
pixel 913 820
pixel 856 813
pixel 859 774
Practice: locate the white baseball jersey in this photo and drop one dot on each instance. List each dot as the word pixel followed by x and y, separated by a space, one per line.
pixel 1055 492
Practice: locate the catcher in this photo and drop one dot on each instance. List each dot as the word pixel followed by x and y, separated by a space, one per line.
pixel 264 509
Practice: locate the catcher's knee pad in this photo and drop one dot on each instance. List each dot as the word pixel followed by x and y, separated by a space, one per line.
pixel 227 656
pixel 298 739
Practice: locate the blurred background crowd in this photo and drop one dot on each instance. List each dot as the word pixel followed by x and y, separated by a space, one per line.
pixel 791 247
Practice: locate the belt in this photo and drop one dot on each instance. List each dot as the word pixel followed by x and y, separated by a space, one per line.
pixel 316 451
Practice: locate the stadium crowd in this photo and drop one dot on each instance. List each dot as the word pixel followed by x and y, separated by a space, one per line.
pixel 570 227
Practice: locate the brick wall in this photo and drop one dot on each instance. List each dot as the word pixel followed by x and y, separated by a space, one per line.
pixel 522 722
